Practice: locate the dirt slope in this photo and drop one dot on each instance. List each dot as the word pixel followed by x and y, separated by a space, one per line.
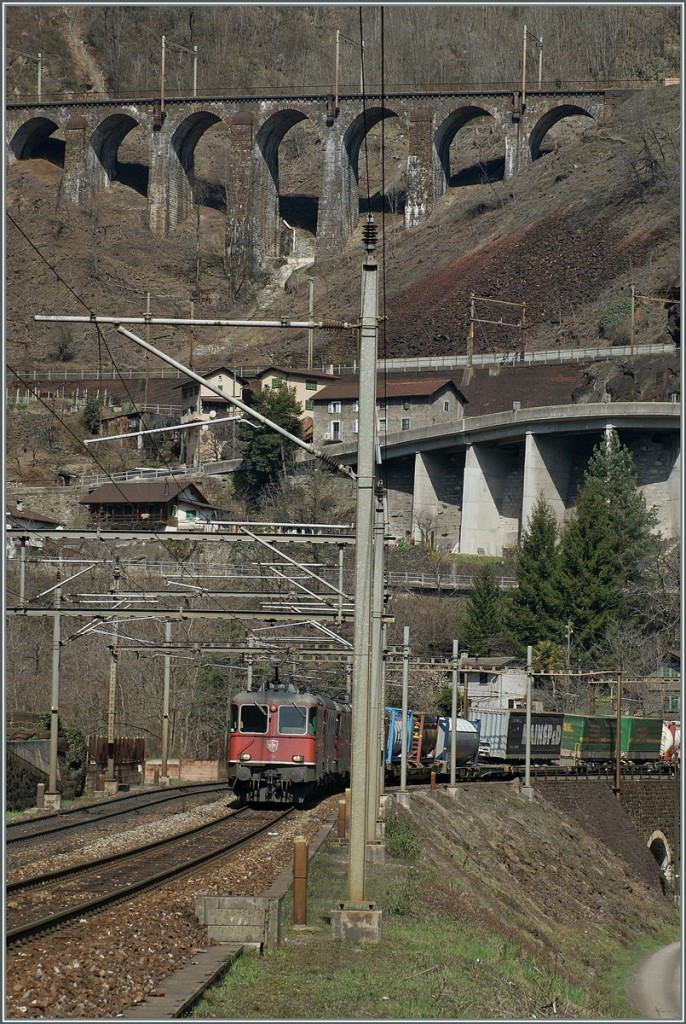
pixel 567 237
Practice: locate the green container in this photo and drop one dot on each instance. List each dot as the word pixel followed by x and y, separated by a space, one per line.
pixel 592 738
pixel 641 738
pixel 588 737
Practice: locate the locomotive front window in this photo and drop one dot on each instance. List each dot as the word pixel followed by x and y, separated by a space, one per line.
pixel 254 717
pixel 292 720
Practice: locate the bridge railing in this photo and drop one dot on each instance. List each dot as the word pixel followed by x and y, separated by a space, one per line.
pixel 216 92
pixel 511 358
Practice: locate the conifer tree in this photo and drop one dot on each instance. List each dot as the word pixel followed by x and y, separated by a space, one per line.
pixel 533 612
pixel 481 629
pixel 605 543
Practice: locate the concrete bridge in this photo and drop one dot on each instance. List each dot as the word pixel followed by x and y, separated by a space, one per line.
pixel 472 487
pixel 84 138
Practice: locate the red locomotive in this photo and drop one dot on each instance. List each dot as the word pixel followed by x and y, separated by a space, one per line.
pixel 287 744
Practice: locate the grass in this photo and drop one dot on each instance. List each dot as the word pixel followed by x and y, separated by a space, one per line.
pixel 429 964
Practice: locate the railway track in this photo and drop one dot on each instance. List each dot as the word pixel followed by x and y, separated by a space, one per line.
pixel 93 814
pixel 54 899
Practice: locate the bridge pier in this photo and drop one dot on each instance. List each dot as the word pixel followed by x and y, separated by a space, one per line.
pixel 338 198
pixel 547 471
pixel 436 500
pixel 420 194
pixel 77 176
pixel 490 513
pixel 239 195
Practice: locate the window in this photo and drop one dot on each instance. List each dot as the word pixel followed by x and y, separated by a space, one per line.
pixel 253 717
pixel 335 430
pixel 381 406
pixel 277 382
pixel 309 404
pixel 405 423
pixel 355 406
pixel 673 702
pixel 292 720
pixel 356 426
pixel 310 385
pixel 381 424
pixel 334 407
pixel 191 513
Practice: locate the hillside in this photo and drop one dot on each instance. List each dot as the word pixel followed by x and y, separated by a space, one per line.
pixel 568 237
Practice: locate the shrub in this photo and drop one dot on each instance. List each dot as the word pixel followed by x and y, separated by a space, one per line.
pixel 401 842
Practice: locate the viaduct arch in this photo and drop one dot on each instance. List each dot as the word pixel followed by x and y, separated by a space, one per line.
pixel 93 131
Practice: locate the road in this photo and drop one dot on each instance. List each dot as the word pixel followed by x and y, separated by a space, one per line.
pixel 655 987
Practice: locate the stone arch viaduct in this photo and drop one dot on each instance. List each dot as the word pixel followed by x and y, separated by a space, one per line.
pixel 84 138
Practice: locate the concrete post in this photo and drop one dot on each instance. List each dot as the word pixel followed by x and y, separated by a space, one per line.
pixel 363 564
pixel 300 862
pixel 358 920
pixel 164 778
pixel 52 797
pixel 375 747
pixel 405 703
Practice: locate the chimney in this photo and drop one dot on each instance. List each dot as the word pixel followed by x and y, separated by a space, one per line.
pixel 20 505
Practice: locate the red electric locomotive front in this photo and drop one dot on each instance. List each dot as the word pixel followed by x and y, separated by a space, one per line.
pixel 285 745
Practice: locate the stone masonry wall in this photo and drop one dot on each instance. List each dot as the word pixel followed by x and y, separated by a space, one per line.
pixel 622 825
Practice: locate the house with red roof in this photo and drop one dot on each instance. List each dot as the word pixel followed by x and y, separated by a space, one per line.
pixel 403 402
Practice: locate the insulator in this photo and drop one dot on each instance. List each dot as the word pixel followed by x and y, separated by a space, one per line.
pixel 369 234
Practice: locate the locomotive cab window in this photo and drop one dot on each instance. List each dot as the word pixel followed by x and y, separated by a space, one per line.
pixel 253 717
pixel 292 720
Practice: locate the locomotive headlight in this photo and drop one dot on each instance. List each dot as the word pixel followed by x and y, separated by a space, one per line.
pixel 298 758
pixel 244 757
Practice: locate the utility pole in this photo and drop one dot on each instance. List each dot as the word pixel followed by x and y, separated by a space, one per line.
pixel 164 774
pixel 527 790
pixel 347 919
pixel 310 330
pixel 375 748
pixel 618 740
pixel 404 712
pixel 633 319
pixel 53 797
pixel 111 784
pixel 472 317
pixel 453 719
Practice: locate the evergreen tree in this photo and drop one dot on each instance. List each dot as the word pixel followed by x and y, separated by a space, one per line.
pixel 481 629
pixel 268 453
pixel 633 523
pixel 533 611
pixel 604 543
pixel 592 575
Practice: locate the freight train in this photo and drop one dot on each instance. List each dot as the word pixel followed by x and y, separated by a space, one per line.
pixel 288 743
